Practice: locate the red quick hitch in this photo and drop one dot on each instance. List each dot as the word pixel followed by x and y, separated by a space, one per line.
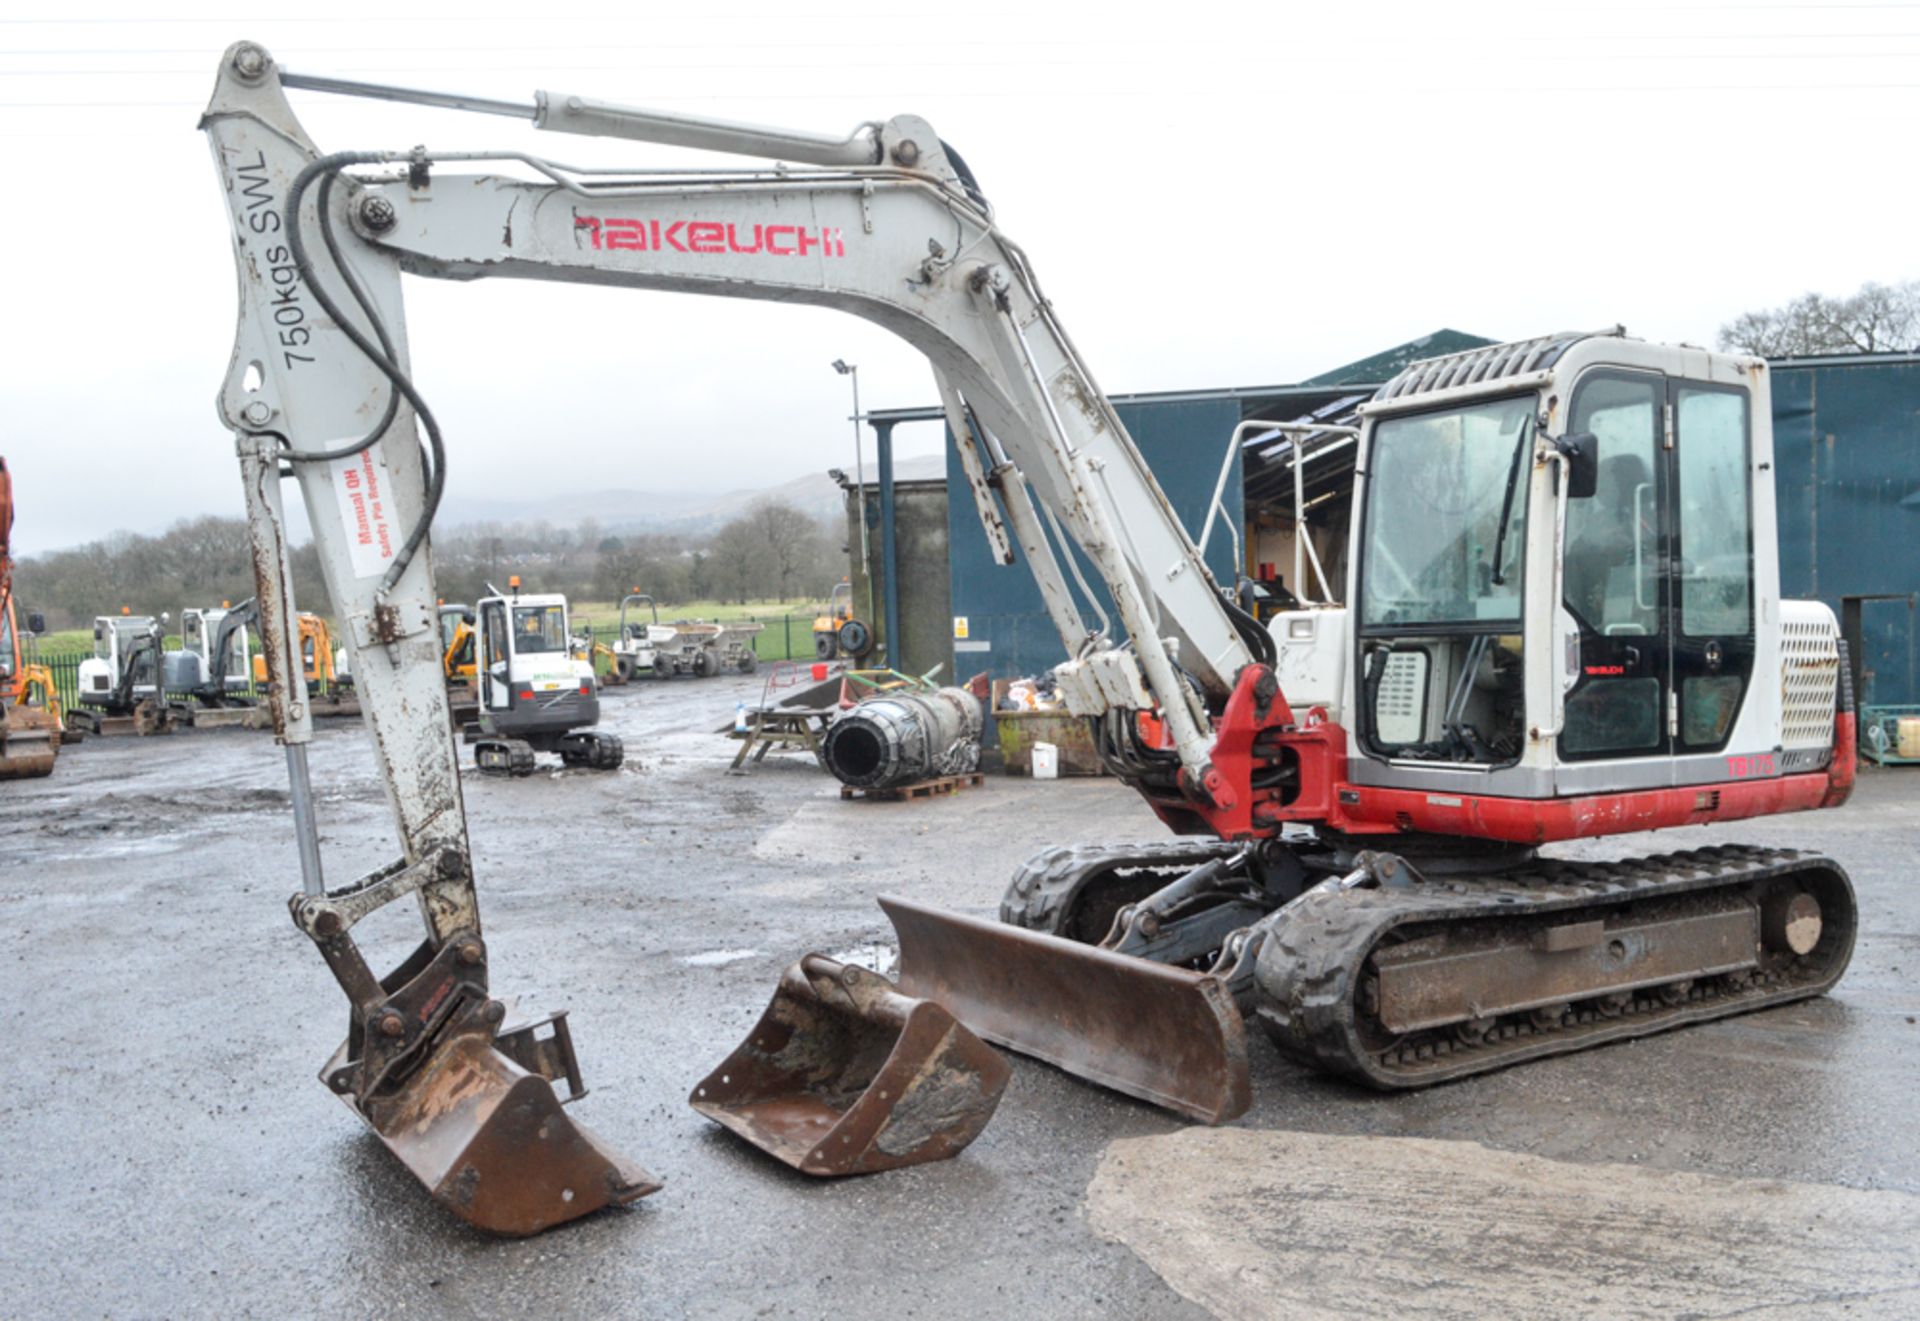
pixel 1245 747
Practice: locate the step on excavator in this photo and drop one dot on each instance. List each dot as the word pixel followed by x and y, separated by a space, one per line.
pixel 1562 620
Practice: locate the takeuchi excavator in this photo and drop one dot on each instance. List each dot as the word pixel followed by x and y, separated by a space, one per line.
pixel 1562 620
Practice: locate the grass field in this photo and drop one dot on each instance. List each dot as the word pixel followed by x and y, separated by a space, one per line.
pixel 606 614
pixel 76 642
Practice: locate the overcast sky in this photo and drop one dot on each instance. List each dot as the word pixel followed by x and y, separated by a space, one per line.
pixel 1212 194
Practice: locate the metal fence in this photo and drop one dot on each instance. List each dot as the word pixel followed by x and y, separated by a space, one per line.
pixel 788 638
pixel 66 678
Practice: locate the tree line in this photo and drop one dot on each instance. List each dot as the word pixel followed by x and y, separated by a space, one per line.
pixel 1876 318
pixel 772 552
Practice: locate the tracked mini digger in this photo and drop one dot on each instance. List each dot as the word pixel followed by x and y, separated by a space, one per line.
pixel 1562 620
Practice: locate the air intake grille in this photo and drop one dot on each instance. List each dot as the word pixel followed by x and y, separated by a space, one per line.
pixel 1809 674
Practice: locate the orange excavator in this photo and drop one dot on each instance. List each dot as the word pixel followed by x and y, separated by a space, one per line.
pixel 29 708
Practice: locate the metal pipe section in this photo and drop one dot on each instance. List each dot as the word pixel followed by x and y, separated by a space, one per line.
pixel 895 739
pixel 889 546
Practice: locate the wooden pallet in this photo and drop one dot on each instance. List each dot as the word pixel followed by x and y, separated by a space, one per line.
pixel 945 784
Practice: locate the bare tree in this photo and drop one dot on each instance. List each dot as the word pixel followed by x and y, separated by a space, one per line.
pixel 794 545
pixel 1879 318
pixel 739 560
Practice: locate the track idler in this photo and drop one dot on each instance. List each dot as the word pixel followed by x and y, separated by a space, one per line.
pixel 844 1074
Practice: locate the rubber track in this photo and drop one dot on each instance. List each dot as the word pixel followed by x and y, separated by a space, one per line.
pixel 1308 972
pixel 519 754
pixel 1040 898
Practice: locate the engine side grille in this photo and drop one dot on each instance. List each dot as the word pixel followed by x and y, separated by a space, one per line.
pixel 1809 674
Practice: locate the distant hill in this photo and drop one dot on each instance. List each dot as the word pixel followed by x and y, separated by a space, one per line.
pixel 672 511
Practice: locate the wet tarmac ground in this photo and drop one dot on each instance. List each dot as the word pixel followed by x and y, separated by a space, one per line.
pixel 169 1151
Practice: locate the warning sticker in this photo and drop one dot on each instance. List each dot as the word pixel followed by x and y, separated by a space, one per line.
pixel 960 626
pixel 363 486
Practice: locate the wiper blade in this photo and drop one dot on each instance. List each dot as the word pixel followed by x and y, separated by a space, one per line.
pixel 1506 503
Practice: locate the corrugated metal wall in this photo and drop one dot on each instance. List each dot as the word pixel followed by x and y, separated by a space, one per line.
pixel 1008 631
pixel 1846 435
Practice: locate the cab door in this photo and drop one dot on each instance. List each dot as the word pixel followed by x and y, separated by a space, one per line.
pixel 493 656
pixel 1659 573
pixel 1711 562
pixel 1614 581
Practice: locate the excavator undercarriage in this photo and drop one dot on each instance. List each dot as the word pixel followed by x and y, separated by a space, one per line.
pixel 1392 973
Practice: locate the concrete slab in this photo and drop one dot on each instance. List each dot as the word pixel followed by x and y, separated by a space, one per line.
pixel 1307 1225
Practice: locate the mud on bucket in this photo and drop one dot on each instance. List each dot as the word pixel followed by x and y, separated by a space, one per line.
pixel 845 1075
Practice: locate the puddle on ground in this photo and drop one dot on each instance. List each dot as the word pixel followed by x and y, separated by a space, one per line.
pixel 720 958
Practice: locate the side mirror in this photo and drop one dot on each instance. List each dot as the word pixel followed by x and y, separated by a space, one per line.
pixel 36 623
pixel 1583 463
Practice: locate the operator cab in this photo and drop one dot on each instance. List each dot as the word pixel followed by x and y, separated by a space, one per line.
pixel 456 640
pixel 199 634
pixel 1563 579
pixel 528 675
pixel 120 640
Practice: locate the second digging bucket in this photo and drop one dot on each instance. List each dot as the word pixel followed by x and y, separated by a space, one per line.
pixel 845 1075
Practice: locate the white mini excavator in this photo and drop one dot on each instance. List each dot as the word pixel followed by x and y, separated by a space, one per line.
pixel 1562 619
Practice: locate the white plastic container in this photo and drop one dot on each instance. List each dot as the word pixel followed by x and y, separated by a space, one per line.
pixel 1046 761
pixel 1909 728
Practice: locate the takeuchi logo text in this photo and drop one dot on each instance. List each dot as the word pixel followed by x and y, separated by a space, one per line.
pixel 615 234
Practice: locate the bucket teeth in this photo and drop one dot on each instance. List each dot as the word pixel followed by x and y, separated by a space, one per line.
pixel 845 1075
pixel 1166 1035
pixel 491 1142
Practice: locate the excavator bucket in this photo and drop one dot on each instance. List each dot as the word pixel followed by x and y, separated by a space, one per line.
pixel 845 1075
pixel 28 740
pixel 489 1138
pixel 1164 1034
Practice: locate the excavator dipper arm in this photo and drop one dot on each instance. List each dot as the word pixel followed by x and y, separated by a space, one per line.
pixel 435 1065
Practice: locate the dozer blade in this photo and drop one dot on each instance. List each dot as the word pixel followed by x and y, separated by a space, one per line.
pixel 845 1075
pixel 1164 1034
pixel 492 1144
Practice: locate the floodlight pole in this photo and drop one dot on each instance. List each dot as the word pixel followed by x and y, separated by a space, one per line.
pixel 852 371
